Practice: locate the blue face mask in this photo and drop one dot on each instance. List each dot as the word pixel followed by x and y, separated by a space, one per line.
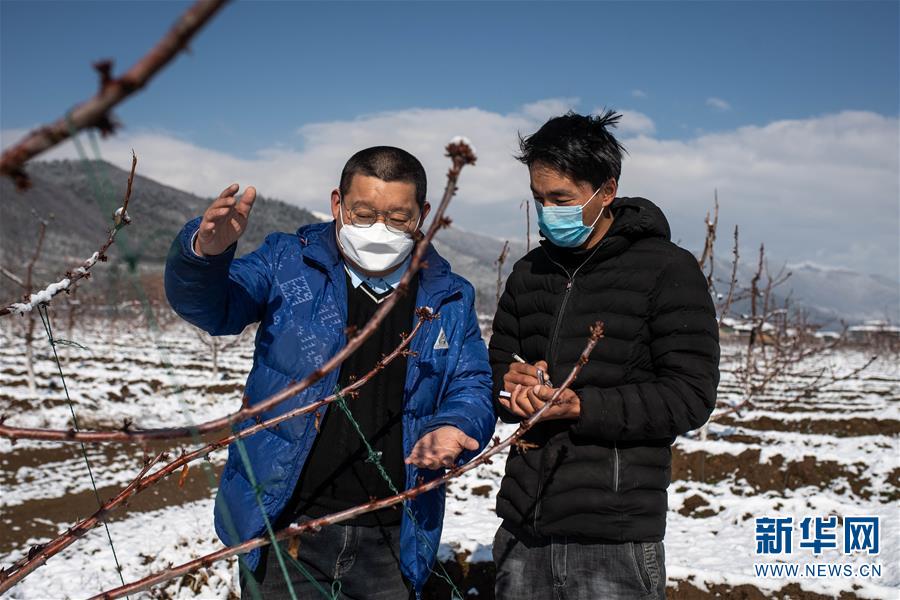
pixel 564 225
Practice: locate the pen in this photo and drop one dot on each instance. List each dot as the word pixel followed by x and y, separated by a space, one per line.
pixel 543 380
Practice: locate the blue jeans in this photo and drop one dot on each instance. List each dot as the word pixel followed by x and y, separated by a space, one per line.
pixel 566 569
pixel 364 560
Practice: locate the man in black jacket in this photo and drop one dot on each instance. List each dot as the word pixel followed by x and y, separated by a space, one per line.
pixel 583 500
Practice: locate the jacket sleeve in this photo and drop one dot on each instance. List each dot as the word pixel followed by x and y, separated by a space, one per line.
pixel 219 294
pixel 466 402
pixel 504 342
pixel 684 347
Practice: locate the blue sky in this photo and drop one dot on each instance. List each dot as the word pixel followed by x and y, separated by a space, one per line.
pixel 316 61
pixel 271 79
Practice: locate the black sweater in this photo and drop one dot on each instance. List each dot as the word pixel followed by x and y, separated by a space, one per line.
pixel 651 377
pixel 336 475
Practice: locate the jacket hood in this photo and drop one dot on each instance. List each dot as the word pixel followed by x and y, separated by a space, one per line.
pixel 637 218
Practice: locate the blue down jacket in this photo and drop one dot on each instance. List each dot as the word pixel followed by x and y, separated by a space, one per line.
pixel 294 285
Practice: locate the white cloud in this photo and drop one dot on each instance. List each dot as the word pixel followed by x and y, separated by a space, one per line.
pixel 823 188
pixel 638 94
pixel 543 110
pixel 718 104
pixel 635 123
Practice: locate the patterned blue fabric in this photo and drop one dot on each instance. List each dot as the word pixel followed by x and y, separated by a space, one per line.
pixel 295 287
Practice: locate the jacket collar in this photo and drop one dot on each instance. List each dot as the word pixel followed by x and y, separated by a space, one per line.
pixel 320 246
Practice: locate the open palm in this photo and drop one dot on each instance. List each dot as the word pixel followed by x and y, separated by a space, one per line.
pixel 224 221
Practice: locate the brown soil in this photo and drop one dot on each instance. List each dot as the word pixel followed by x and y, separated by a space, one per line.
pixel 225 388
pixel 69 509
pixel 685 590
pixel 465 576
pixel 696 506
pixel 775 475
pixel 852 427
pixel 483 490
pixel 893 480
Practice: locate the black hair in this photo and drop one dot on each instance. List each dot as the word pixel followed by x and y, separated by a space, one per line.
pixel 387 163
pixel 577 145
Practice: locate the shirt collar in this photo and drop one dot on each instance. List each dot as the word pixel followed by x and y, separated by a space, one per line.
pixel 379 285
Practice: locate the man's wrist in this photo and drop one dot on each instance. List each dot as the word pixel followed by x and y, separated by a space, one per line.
pixel 196 249
pixel 195 246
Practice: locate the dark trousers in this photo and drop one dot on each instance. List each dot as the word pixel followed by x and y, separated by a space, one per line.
pixel 561 568
pixel 363 561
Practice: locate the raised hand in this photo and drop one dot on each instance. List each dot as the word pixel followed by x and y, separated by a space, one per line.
pixel 224 221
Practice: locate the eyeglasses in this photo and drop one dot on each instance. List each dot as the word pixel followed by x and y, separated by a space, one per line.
pixel 397 221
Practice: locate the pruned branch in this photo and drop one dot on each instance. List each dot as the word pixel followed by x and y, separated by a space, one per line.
pixel 10 576
pixel 461 154
pixel 95 112
pixel 710 242
pixel 12 277
pixel 504 253
pixel 33 300
pixel 316 524
pixel 39 554
pixel 732 284
pixel 526 204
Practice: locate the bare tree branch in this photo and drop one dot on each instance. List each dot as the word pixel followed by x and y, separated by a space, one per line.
pixel 710 242
pixel 38 555
pixel 526 204
pixel 294 530
pixel 32 300
pixel 500 261
pixel 95 112
pixel 732 285
pixel 12 276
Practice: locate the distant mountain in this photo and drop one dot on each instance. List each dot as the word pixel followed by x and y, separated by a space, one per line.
pixel 474 256
pixel 831 294
pixel 81 198
pixel 82 195
pixel 828 295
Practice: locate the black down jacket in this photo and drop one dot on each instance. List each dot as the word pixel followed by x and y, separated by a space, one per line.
pixel 652 377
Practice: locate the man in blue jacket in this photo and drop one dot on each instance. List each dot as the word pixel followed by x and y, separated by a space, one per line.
pixel 424 412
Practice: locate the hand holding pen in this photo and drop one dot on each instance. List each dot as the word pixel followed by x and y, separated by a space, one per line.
pixel 522 373
pixel 540 366
pixel 526 388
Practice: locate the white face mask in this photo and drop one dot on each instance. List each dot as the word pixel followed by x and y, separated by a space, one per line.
pixel 374 248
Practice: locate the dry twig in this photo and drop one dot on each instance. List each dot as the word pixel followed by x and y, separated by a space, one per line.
pixel 294 530
pixel 504 253
pixel 40 554
pixel 33 300
pixel 95 112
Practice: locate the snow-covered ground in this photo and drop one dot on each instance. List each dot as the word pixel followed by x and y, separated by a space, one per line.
pixel 832 452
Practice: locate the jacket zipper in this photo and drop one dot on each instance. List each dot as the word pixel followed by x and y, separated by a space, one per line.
pixel 537 499
pixel 615 467
pixel 553 342
pixel 562 307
